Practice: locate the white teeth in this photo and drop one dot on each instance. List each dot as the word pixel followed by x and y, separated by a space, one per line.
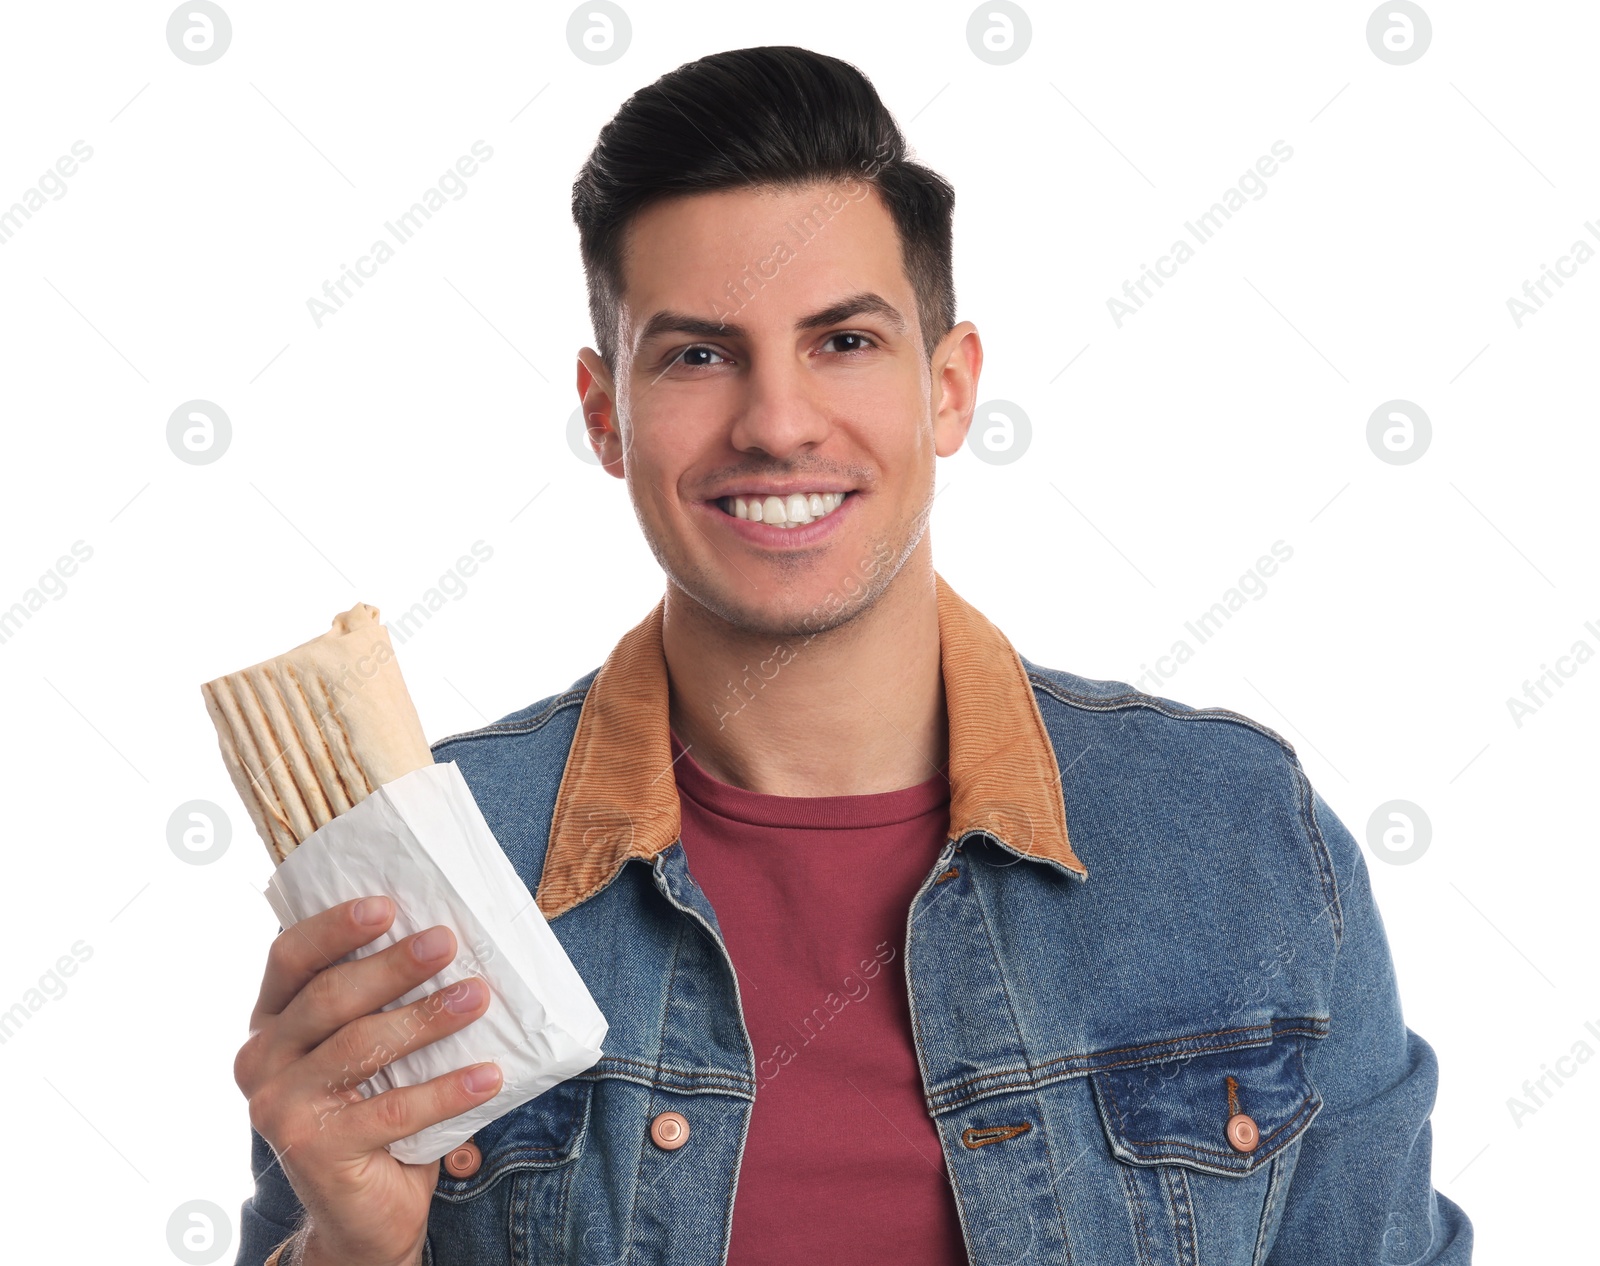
pixel 787 512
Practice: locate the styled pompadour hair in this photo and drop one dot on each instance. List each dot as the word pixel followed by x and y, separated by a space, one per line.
pixel 777 116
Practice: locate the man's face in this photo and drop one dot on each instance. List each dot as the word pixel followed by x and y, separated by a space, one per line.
pixel 769 349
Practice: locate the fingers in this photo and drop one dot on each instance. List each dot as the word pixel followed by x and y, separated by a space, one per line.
pixel 337 995
pixel 314 944
pixel 327 1081
pixel 398 1113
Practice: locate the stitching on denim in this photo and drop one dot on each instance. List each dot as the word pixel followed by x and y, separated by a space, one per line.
pixel 949 874
pixel 518 727
pixel 558 1226
pixel 649 1083
pixel 911 994
pixel 1055 1193
pixel 1005 989
pixel 666 1070
pixel 638 1175
pixel 1266 1228
pixel 1180 1205
pixel 1036 1083
pixel 1330 879
pixel 1271 1030
pixel 961 1205
pixel 1135 1201
pixel 1137 699
pixel 517 1217
pixel 513 1160
pixel 1033 1083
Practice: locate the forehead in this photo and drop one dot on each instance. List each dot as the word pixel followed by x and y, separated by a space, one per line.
pixel 770 253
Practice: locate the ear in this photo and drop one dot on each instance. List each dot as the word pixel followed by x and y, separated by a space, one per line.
pixel 954 368
pixel 599 401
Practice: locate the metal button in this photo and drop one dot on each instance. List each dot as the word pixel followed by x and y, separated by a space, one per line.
pixel 464 1161
pixel 1243 1134
pixel 669 1130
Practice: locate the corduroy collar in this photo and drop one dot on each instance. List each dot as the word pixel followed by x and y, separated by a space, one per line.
pixel 618 799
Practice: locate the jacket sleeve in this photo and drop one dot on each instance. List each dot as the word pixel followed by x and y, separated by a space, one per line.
pixel 1362 1190
pixel 268 1219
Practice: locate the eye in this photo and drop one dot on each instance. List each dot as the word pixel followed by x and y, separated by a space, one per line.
pixel 693 355
pixel 862 341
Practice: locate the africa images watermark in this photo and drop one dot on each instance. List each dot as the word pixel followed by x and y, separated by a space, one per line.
pixel 1538 692
pixel 1205 626
pixel 1536 292
pixel 453 583
pixel 50 986
pixel 785 1052
pixel 1202 228
pixel 1537 1092
pixel 51 584
pixel 51 184
pixel 403 228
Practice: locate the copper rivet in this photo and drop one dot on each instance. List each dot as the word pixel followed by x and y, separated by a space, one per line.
pixel 669 1130
pixel 1243 1134
pixel 464 1161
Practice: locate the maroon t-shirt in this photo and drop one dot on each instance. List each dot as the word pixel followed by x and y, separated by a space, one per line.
pixel 842 1162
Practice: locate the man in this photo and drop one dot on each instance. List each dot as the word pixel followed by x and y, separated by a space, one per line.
pixel 805 836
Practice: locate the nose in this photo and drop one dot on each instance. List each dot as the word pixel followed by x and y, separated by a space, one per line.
pixel 782 411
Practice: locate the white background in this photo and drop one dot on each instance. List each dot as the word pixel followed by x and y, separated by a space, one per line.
pixel 432 412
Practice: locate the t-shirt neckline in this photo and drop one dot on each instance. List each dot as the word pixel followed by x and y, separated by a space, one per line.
pixel 755 808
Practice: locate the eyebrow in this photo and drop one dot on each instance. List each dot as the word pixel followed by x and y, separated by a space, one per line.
pixel 865 303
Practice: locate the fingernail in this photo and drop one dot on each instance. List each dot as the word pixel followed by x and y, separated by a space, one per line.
pixel 483 1078
pixel 431 944
pixel 370 910
pixel 464 996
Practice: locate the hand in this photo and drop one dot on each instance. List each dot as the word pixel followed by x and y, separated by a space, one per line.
pixel 316 1033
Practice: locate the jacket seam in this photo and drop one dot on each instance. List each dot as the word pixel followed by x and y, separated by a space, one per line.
pixel 1032 1082
pixel 1011 1010
pixel 500 728
pixel 663 1071
pixel 1319 846
pixel 1137 699
pixel 1271 1030
pixel 638 1173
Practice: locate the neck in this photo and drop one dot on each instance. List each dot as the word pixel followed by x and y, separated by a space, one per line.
pixel 856 710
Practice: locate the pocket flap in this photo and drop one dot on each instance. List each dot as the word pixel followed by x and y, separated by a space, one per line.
pixel 1178 1111
pixel 545 1132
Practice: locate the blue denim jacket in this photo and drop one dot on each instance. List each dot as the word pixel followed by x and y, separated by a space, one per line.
pixel 1176 1038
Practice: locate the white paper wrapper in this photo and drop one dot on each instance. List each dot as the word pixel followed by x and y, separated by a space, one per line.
pixel 422 841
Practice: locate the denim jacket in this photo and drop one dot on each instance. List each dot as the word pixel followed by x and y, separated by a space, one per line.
pixel 1174 1039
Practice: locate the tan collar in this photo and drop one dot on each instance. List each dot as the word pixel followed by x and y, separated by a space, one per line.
pixel 618 798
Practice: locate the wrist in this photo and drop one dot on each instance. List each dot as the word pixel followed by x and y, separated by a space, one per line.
pixel 306 1249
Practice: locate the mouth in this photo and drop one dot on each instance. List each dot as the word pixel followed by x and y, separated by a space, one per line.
pixel 793 510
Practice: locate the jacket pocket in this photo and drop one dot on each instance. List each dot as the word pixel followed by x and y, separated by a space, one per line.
pixel 547 1132
pixel 513 1207
pixel 1225 1112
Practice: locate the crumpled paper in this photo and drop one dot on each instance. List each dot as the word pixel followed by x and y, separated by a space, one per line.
pixel 421 841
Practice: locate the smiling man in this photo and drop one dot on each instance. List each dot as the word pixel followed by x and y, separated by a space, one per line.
pixel 805 832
